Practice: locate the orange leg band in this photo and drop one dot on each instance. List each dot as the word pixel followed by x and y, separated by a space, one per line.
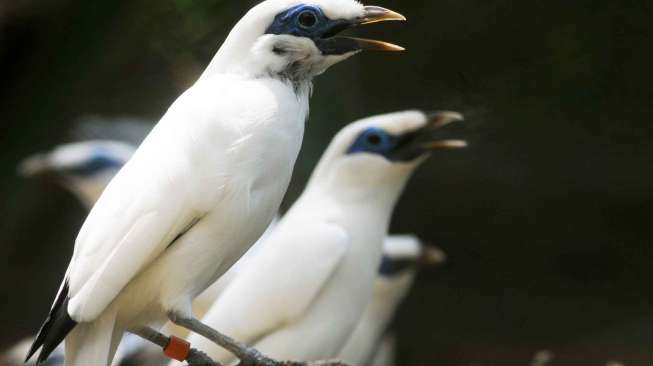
pixel 177 349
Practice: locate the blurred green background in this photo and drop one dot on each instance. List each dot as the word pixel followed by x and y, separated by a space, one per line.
pixel 547 218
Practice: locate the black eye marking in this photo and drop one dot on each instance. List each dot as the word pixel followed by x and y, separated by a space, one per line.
pixel 307 19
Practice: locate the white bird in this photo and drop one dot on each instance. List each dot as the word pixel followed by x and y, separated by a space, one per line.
pixel 205 183
pixel 302 294
pixel 84 168
pixel 402 256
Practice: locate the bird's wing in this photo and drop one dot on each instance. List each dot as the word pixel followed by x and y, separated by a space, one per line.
pixel 131 224
pixel 281 282
pixel 143 210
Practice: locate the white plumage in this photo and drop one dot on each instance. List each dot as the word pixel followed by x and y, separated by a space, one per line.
pixel 84 168
pixel 199 173
pixel 303 293
pixel 202 187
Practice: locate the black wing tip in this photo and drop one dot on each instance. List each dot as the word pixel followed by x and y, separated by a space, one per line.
pixel 54 329
pixel 31 352
pixel 61 326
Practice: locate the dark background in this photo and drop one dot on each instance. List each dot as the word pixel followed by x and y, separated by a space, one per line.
pixel 547 217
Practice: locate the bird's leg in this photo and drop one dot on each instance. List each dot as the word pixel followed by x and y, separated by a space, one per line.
pixel 248 356
pixel 194 356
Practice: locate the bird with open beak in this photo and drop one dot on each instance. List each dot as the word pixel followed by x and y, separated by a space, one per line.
pixel 204 184
pixel 303 293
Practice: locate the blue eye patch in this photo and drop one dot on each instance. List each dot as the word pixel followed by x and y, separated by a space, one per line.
pixel 374 140
pixel 306 21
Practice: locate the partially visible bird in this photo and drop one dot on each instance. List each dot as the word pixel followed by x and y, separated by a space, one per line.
pixel 84 168
pixel 301 296
pixel 370 344
pixel 205 183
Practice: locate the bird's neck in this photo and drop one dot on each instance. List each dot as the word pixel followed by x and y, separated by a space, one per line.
pixel 358 190
pixel 243 62
pixel 372 204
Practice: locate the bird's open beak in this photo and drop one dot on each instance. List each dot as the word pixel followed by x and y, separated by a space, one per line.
pixel 431 256
pixel 375 14
pixel 440 119
pixel 421 142
pixel 332 45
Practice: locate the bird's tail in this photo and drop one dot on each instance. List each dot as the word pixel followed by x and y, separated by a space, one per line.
pixel 93 343
pixel 55 328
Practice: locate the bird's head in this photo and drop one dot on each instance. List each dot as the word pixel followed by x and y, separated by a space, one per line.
pixel 406 253
pixel 403 255
pixel 297 39
pixel 85 168
pixel 373 158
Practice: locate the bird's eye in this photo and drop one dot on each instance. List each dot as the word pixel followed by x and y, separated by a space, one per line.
pixel 307 19
pixel 374 139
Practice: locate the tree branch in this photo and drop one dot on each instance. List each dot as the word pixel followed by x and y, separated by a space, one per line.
pixel 199 358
